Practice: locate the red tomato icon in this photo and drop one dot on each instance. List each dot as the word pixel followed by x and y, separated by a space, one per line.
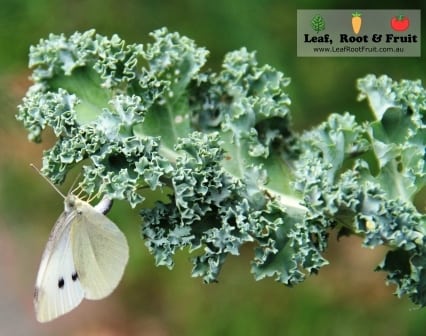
pixel 400 23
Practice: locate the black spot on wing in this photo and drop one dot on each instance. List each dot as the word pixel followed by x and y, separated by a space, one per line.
pixel 74 276
pixel 104 205
pixel 61 283
pixel 108 207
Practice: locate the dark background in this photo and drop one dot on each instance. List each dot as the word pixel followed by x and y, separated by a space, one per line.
pixel 346 298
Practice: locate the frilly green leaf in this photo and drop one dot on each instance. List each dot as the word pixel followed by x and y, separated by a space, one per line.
pixel 224 166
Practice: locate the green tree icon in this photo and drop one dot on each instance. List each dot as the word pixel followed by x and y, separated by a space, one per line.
pixel 318 23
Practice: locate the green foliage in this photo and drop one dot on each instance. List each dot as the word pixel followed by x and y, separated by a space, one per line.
pixel 220 147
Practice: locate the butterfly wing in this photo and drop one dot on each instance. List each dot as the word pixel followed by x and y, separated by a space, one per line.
pixel 100 251
pixel 58 289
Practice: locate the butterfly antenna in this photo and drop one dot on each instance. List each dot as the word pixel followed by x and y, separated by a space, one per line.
pixel 72 190
pixel 48 181
pixel 77 191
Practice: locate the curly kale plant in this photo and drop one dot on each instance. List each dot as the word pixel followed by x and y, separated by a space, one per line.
pixel 225 165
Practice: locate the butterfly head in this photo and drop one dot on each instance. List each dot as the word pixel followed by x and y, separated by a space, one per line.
pixel 71 202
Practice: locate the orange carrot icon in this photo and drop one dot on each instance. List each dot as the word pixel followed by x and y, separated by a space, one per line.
pixel 356 22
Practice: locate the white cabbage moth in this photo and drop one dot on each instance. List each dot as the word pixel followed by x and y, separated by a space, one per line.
pixel 85 257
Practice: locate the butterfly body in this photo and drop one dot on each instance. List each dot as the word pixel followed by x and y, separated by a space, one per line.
pixel 85 257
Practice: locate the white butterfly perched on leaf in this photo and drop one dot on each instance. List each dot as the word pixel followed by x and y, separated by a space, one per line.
pixel 85 257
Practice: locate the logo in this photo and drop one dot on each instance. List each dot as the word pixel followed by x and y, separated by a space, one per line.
pixel 400 23
pixel 356 22
pixel 318 23
pixel 358 33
